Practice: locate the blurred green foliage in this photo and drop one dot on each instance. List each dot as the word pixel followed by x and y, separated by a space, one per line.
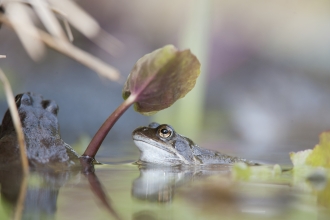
pixel 186 115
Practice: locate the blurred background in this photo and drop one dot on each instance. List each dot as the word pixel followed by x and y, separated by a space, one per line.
pixel 264 88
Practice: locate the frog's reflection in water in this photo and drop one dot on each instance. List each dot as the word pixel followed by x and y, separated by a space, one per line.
pixel 212 191
pixel 36 194
pixel 159 183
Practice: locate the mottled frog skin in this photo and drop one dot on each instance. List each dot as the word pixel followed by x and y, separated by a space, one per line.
pixel 160 144
pixel 42 136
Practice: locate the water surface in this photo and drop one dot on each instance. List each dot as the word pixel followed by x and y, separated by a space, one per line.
pixel 122 190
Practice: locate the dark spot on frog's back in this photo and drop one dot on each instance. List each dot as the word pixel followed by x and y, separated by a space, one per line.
pixel 41 131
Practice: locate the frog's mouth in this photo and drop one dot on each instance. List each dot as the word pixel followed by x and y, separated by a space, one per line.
pixel 144 143
pixel 155 152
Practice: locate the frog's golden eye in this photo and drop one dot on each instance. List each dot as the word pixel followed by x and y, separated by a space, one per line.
pixel 165 132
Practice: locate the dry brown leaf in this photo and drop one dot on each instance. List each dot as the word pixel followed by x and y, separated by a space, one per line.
pixel 88 26
pixel 75 53
pixel 22 23
pixel 48 18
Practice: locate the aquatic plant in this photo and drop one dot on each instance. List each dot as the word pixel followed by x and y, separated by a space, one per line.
pixel 157 80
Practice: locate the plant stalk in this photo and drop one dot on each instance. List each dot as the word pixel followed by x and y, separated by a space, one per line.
pixel 98 138
pixel 16 121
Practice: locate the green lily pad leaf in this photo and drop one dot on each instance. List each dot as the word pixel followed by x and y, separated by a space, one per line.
pixel 160 78
pixel 320 155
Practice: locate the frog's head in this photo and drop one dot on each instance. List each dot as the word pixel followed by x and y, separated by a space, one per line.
pixel 38 116
pixel 160 144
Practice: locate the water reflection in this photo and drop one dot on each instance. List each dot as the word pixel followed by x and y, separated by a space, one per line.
pixel 211 192
pixel 159 183
pixel 153 192
pixel 34 197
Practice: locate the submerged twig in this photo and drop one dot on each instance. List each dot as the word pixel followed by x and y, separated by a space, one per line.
pixel 71 51
pixel 97 189
pixel 16 121
pixel 21 199
pixel 87 168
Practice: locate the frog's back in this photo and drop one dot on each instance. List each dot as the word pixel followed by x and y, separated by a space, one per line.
pixel 41 130
pixel 205 156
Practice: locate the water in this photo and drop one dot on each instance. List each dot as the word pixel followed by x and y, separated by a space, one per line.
pixel 127 191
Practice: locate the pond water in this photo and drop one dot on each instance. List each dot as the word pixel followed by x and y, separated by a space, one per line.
pixel 122 190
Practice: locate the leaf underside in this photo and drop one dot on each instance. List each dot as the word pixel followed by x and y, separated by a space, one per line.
pixel 160 78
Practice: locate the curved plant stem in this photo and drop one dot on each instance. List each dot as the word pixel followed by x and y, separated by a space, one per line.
pixel 16 121
pixel 98 138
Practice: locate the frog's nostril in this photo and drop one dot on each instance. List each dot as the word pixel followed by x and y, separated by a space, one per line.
pixel 50 106
pixel 26 99
pixel 45 103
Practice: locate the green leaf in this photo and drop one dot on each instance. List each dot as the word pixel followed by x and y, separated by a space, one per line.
pixel 160 78
pixel 320 155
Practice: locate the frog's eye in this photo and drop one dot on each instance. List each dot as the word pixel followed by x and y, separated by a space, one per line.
pixel 165 132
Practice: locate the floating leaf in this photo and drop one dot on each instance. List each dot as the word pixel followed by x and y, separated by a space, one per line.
pixel 299 158
pixel 242 171
pixel 160 78
pixel 320 155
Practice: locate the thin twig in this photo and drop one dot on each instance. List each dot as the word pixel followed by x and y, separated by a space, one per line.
pixel 73 52
pixel 16 121
pixel 68 29
pixel 3 56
